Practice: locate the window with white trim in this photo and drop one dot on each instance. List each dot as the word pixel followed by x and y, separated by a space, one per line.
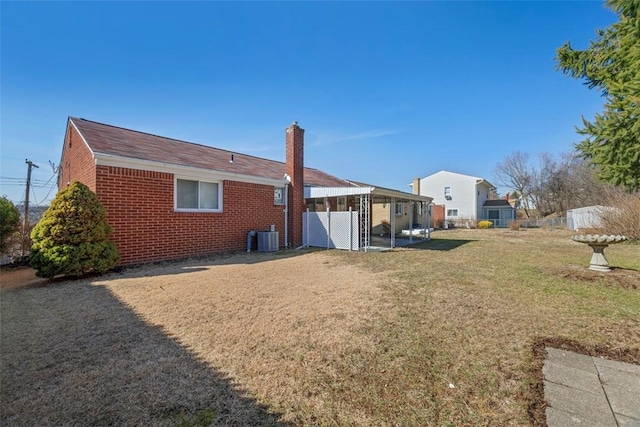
pixel 452 212
pixel 192 195
pixel 399 209
pixel 342 203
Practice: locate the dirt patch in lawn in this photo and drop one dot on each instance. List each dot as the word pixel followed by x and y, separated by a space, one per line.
pixel 623 277
pixel 19 277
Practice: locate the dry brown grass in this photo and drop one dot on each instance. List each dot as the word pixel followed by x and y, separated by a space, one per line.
pixel 440 334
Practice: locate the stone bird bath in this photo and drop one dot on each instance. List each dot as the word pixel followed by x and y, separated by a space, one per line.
pixel 598 242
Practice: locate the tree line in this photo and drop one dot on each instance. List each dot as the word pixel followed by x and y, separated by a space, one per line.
pixel 552 184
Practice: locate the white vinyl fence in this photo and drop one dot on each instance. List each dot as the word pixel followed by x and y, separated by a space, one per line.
pixel 331 230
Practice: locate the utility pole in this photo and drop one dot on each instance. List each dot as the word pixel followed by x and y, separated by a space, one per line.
pixel 25 225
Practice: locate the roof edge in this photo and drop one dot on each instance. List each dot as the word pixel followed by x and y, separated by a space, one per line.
pixel 130 163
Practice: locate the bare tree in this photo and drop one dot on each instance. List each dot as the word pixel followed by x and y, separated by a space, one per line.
pixel 515 173
pixel 564 183
pixel 551 185
pixel 555 185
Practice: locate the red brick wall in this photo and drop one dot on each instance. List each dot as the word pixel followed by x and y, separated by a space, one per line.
pixel 140 206
pixel 77 163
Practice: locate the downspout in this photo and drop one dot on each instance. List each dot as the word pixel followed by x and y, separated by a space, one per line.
pixel 286 216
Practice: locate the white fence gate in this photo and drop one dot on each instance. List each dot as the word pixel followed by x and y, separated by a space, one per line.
pixel 331 230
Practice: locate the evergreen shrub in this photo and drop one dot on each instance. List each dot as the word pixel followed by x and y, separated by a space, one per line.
pixel 72 238
pixel 9 222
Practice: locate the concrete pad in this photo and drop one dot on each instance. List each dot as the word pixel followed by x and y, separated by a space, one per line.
pixel 568 358
pixel 614 364
pixel 585 405
pixel 622 379
pixel 558 418
pixel 590 391
pixel 623 402
pixel 626 421
pixel 571 377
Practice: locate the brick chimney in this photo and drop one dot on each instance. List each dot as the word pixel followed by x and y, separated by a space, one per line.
pixel 416 186
pixel 295 170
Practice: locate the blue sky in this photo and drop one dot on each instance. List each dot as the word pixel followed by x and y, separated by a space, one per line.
pixel 386 91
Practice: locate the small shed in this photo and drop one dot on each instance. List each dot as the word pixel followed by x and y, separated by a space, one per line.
pixel 586 217
pixel 499 212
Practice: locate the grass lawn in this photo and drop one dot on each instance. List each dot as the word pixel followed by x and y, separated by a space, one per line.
pixel 447 332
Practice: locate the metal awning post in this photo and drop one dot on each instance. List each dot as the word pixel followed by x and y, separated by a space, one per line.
pixel 392 211
pixel 412 206
pixel 428 213
pixel 365 222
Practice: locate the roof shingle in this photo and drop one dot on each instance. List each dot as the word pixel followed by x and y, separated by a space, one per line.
pixel 131 144
pixel 500 203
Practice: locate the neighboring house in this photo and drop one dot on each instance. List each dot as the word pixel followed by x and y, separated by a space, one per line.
pixel 465 199
pixel 382 215
pixel 169 199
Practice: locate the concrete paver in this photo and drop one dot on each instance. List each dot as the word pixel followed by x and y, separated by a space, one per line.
pixel 624 402
pixel 585 391
pixel 556 417
pixel 618 378
pixel 627 421
pixel 621 366
pixel 567 358
pixel 572 377
pixel 590 406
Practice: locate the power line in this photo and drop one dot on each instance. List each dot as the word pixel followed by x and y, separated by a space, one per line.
pixel 50 190
pixel 35 199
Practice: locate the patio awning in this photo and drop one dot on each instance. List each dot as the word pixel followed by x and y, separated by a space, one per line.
pixel 375 192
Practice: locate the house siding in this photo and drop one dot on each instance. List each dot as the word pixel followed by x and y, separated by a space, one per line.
pixel 140 208
pixel 483 196
pixel 383 211
pixel 464 195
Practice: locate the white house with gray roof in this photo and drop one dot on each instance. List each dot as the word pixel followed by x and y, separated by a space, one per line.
pixel 465 198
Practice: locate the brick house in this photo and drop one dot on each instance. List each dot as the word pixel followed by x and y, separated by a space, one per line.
pixel 168 199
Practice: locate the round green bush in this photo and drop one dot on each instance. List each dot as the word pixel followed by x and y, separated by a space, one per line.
pixel 72 238
pixel 9 221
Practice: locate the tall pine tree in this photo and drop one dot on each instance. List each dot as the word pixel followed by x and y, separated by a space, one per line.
pixel 611 64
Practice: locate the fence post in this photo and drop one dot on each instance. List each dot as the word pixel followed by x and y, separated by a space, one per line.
pixel 307 228
pixel 350 229
pixel 328 228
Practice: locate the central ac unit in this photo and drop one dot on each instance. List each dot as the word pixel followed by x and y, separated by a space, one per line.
pixel 267 241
